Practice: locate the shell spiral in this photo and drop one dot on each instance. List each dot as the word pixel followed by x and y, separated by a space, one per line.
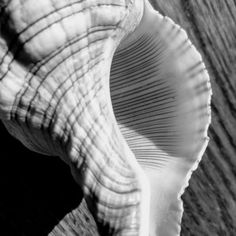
pixel 119 93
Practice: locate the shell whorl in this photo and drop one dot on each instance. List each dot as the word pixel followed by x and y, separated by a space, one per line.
pixel 119 93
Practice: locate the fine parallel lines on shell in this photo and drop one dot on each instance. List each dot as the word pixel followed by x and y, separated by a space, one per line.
pixel 162 110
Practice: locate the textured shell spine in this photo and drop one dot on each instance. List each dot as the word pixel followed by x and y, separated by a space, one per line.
pixel 54 83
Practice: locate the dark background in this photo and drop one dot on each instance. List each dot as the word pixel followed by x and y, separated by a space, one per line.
pixel 36 191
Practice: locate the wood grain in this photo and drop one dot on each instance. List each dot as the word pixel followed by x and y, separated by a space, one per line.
pixel 33 201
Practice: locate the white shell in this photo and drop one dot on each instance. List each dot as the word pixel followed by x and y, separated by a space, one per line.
pixel 119 93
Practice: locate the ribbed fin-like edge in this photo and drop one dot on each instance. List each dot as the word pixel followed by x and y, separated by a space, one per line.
pixel 161 98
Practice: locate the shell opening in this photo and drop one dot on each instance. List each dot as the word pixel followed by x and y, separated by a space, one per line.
pixel 160 94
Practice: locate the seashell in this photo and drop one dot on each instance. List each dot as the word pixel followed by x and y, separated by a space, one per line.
pixel 119 93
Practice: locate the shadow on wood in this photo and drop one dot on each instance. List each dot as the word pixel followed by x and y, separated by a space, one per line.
pixel 210 200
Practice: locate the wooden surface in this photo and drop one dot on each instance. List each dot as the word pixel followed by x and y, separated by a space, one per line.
pixel 37 192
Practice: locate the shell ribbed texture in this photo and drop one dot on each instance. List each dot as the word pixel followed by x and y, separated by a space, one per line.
pixel 43 50
pixel 55 61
